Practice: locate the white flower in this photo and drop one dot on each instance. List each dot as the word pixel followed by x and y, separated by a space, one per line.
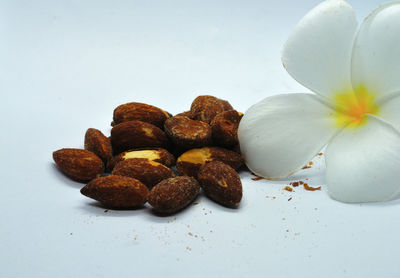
pixel 355 111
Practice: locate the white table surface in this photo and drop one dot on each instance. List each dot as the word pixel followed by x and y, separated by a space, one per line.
pixel 64 67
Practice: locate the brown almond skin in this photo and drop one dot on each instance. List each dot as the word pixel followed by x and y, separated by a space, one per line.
pixel 173 194
pixel 137 134
pixel 190 162
pixel 225 128
pixel 78 164
pixel 140 111
pixel 221 183
pixel 186 114
pixel 158 155
pixel 205 108
pixel 117 191
pixel 96 142
pixel 148 172
pixel 187 133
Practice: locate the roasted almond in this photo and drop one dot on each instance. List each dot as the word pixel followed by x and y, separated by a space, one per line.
pixel 147 171
pixel 96 142
pixel 173 194
pixel 185 113
pixel 158 155
pixel 190 162
pixel 225 128
pixel 136 134
pixel 205 108
pixel 80 165
pixel 117 191
pixel 140 111
pixel 221 183
pixel 187 133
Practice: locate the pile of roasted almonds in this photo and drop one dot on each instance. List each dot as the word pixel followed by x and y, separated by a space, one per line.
pixel 136 163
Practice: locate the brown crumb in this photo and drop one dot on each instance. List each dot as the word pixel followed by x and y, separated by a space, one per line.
pixel 310 163
pixel 288 188
pixel 301 182
pixel 257 178
pixel 310 188
pixel 306 167
pixel 290 199
pixel 294 184
pixel 195 203
pixel 190 234
pixel 320 154
pixel 106 211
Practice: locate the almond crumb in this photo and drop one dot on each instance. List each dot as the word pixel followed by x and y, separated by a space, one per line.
pixel 294 184
pixel 310 188
pixel 288 188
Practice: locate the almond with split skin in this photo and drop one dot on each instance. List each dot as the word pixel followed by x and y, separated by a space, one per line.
pixel 190 162
pixel 205 108
pixel 78 164
pixel 187 133
pixel 136 134
pixel 225 128
pixel 158 155
pixel 173 194
pixel 147 171
pixel 221 183
pixel 117 191
pixel 96 142
pixel 140 111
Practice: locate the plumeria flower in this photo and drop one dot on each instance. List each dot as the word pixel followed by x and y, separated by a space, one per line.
pixel 355 111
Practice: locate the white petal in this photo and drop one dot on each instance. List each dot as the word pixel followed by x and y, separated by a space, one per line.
pixel 376 53
pixel 363 164
pixel 280 134
pixel 390 111
pixel 318 52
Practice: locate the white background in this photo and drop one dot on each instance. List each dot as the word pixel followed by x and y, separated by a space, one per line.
pixel 64 67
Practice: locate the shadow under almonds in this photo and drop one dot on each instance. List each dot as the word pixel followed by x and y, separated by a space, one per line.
pixel 97 208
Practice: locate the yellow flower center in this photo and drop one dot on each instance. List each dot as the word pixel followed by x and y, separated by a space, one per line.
pixel 352 106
